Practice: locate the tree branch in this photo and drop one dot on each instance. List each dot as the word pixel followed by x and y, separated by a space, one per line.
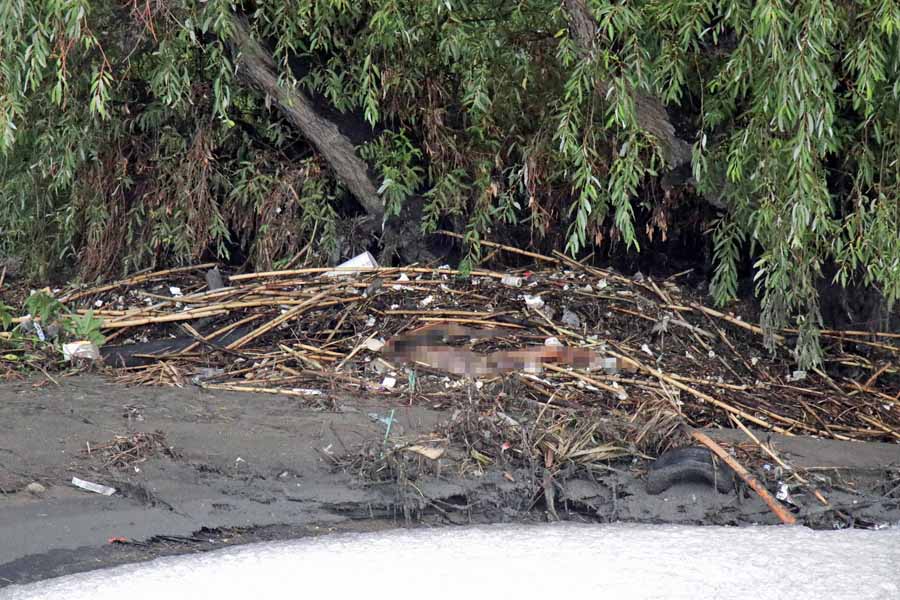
pixel 256 66
pixel 649 112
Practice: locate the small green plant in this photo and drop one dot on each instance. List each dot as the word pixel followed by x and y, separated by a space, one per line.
pixel 48 310
pixel 85 327
pixel 41 305
pixel 5 316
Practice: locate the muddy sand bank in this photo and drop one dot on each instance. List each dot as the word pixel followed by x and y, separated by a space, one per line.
pixel 235 468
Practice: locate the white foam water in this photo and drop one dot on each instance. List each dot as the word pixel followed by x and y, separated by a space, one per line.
pixel 514 561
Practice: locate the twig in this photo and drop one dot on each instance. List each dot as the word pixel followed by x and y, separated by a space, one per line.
pixel 354 351
pixel 617 392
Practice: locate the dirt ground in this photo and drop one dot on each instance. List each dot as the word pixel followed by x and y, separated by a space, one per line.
pixel 235 468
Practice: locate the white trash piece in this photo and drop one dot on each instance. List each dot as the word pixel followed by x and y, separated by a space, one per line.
pixel 83 349
pixel 533 301
pixel 90 486
pixel 511 281
pixel 374 344
pixel 348 267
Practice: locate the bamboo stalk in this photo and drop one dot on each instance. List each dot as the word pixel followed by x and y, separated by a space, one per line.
pixel 320 351
pixel 366 270
pixel 221 331
pixel 511 249
pixel 473 322
pixel 879 425
pixel 183 316
pixel 133 281
pixel 702 396
pixel 254 389
pixel 619 393
pixel 456 313
pixel 300 356
pixel 786 517
pixel 294 312
pixel 736 322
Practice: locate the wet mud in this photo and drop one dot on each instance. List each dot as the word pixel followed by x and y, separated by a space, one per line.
pixel 233 468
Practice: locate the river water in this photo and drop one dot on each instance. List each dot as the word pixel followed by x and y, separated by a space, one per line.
pixel 515 561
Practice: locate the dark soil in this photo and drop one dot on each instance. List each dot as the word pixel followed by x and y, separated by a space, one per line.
pixel 227 468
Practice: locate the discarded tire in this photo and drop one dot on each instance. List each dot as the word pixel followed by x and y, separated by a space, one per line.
pixel 688 465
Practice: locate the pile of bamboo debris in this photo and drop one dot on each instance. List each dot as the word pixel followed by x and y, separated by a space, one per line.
pixel 573 336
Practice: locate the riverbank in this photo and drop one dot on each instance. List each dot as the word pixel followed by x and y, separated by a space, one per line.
pixel 228 467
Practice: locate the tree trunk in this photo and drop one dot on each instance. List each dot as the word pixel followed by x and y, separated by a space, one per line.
pixel 649 112
pixel 256 66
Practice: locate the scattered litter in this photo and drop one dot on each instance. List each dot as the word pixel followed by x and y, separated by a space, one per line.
pixel 352 266
pixel 387 420
pixel 374 344
pixel 373 287
pixel 205 373
pixel 324 321
pixel 389 382
pixel 98 304
pixel 426 451
pixel 214 279
pixel 306 391
pixel 403 277
pixel 175 291
pixel 81 350
pixel 35 488
pixel 508 419
pixel 570 319
pixel 797 376
pixel 610 365
pixel 637 277
pixel 784 493
pixel 90 486
pixel 533 301
pixel 662 326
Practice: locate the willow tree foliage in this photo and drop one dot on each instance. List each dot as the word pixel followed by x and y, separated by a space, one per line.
pixel 128 136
